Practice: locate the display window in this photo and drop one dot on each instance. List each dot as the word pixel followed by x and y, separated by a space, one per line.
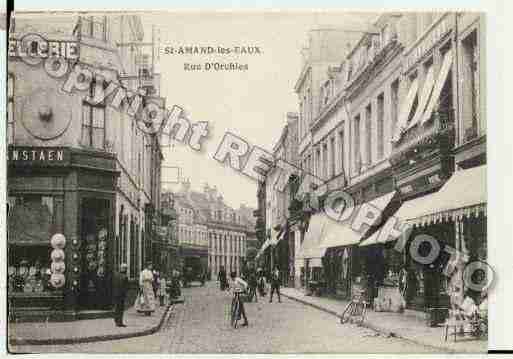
pixel 32 221
pixel 95 246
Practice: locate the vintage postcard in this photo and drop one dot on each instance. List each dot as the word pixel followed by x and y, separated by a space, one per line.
pixel 247 182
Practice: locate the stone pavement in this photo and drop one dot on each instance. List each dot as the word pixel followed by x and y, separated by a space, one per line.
pixel 83 331
pixel 202 325
pixel 402 325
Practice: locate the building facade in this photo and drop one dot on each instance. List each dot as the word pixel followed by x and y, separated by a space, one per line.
pixel 211 231
pixel 395 119
pixel 77 167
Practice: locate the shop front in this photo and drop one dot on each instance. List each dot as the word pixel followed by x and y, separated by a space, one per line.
pixel 348 266
pixel 311 252
pixel 455 217
pixel 67 194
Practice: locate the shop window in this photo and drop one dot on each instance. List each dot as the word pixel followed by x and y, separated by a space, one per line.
pixel 32 220
pixel 10 109
pixel 95 248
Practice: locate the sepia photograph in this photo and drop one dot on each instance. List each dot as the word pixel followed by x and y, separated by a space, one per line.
pixel 248 182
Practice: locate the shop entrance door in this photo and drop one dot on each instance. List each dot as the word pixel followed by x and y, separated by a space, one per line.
pixel 95 230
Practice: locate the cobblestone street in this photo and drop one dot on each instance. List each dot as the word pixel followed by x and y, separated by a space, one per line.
pixel 201 325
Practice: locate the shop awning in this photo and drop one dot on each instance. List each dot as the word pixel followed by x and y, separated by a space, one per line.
pixel 424 97
pixel 339 234
pixel 406 109
pixel 310 247
pixel 462 195
pixel 439 84
pixel 373 239
pixel 277 236
pixel 262 249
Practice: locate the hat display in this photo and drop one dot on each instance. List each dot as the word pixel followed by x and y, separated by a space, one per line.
pixel 57 255
pixel 58 241
pixel 58 267
pixel 57 280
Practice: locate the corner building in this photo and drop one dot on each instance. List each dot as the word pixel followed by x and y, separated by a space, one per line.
pixel 94 176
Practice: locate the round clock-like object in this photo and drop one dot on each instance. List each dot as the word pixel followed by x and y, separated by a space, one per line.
pixel 46 114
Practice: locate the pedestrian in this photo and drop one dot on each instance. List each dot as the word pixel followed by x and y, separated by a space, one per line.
pixel 119 289
pixel 156 282
pixel 146 301
pixel 175 285
pixel 261 282
pixel 162 291
pixel 221 277
pixel 252 281
pixel 238 285
pixel 275 284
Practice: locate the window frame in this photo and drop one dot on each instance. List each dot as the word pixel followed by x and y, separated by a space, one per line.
pixel 10 108
pixel 90 27
pixel 90 125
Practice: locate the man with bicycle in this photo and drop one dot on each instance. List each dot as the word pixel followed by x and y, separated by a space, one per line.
pixel 239 286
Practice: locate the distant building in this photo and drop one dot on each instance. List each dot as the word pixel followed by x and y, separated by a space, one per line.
pixel 212 231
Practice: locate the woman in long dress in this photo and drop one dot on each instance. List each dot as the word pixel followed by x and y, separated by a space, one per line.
pixel 145 303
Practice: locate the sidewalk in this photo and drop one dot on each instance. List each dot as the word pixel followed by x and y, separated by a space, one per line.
pixel 404 326
pixel 84 331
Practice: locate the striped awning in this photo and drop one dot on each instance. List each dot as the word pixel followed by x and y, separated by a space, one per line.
pixel 277 236
pixel 311 243
pixel 262 249
pixel 339 234
pixel 463 195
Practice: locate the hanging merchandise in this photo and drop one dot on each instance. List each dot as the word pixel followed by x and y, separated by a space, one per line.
pixel 345 264
pixel 57 266
pixel 102 250
pixel 91 253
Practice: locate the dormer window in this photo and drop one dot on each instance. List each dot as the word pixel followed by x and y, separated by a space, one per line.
pixel 94 27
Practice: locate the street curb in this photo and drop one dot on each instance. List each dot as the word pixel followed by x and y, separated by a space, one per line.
pixel 375 328
pixel 96 338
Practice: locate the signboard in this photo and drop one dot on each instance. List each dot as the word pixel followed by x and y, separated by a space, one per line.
pixel 38 156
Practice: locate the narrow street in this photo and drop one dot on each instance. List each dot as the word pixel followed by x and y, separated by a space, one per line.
pixel 201 325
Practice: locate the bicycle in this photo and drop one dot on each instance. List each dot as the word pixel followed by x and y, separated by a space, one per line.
pixel 357 307
pixel 235 310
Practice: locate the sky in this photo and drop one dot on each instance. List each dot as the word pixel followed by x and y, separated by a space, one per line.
pixel 253 103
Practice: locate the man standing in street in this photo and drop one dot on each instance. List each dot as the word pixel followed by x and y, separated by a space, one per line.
pixel 275 284
pixel 221 277
pixel 120 288
pixel 252 281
